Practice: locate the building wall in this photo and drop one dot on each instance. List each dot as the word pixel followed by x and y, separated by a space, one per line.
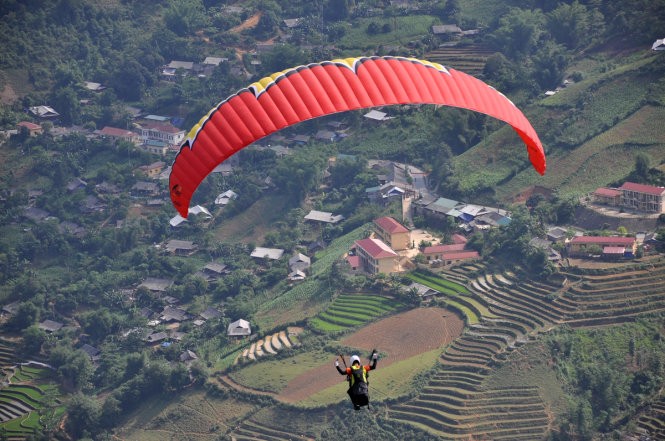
pixel 643 202
pixel 375 266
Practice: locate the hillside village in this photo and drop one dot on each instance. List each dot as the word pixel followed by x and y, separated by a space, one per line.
pixel 334 236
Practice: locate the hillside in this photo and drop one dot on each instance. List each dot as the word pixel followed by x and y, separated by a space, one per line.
pixel 126 312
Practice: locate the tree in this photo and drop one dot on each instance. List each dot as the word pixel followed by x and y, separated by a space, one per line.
pixel 82 416
pixel 518 32
pixel 26 315
pixel 336 10
pixel 642 166
pixel 183 17
pixel 33 339
pixel 573 25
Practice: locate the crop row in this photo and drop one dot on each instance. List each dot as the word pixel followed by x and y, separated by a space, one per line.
pixel 348 311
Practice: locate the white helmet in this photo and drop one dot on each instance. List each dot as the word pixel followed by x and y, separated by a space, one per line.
pixel 355 358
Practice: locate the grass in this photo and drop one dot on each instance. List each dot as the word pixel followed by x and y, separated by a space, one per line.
pixel 256 375
pixel 193 414
pixel 260 216
pixel 580 171
pixel 309 297
pixel 390 382
pixel 404 29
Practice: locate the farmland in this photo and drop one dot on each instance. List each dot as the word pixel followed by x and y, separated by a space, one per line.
pixel 347 311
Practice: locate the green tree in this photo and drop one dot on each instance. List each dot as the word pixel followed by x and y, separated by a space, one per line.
pixel 32 341
pixel 519 32
pixel 573 25
pixel 183 17
pixel 83 415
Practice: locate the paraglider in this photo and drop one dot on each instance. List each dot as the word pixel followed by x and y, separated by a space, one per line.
pixel 358 378
pixel 305 92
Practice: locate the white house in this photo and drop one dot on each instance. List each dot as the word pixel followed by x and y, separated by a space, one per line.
pixel 239 328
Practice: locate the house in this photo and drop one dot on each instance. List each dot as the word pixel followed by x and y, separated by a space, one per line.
pixel 546 246
pixel 76 184
pixel 436 252
pixel 165 132
pixel 94 87
pixel 439 207
pixel 385 193
pixel 584 245
pixel 451 258
pixel 323 216
pixel 447 29
pixel 72 228
pixel 376 115
pixel 226 197
pixel 425 292
pixel 300 139
pixel 607 196
pixel 197 209
pixel 92 351
pixel 375 256
pixel 50 326
pixel 292 23
pixel 152 170
pixel 156 337
pixel 658 45
pixel 188 356
pixel 354 262
pixel 557 234
pixel 299 262
pixel 267 253
pixel 11 308
pixel 181 247
pixel 210 313
pixel 32 128
pixel 44 112
pixel 91 204
pixel 117 134
pixel 239 328
pixel 170 70
pixel 632 196
pixel 297 275
pixel 643 197
pixel 173 314
pixel 214 270
pixel 155 147
pixel 325 135
pixel 492 219
pixel 143 188
pixel 458 238
pixel 396 235
pixel 36 214
pixel 156 285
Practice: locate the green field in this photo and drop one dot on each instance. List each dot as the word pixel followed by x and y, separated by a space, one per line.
pixel 352 310
pixel 388 382
pixel 403 30
pixel 256 375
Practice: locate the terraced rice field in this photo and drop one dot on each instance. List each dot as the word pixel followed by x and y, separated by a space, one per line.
pixel 19 398
pixel 652 421
pixel 466 58
pixel 459 400
pixel 353 310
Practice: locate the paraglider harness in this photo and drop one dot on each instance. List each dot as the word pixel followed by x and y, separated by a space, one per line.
pixel 359 383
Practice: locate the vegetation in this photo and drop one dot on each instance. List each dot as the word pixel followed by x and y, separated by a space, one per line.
pixel 80 263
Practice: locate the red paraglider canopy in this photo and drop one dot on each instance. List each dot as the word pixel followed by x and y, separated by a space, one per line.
pixel 318 89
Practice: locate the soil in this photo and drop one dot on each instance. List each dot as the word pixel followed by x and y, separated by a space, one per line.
pixel 247 24
pixel 397 338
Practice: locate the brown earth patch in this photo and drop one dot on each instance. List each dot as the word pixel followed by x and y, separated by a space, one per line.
pixel 397 338
pixel 251 22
